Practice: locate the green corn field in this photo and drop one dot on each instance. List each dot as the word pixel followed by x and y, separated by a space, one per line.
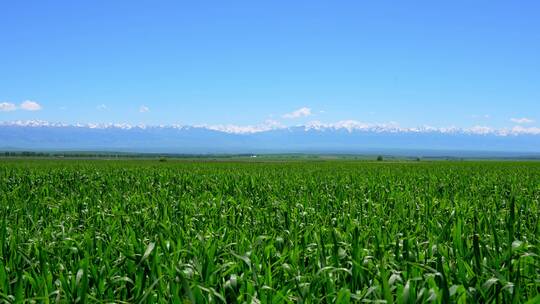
pixel 141 231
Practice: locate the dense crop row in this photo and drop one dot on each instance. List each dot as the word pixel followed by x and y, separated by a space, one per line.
pixel 306 232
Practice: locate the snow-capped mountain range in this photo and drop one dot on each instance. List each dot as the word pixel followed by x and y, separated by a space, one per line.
pixel 344 136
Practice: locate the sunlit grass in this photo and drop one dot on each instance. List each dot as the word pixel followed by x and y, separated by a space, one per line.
pixel 297 232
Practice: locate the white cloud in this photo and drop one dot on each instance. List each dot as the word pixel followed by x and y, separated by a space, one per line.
pixel 7 107
pixel 27 105
pixel 144 109
pixel 30 105
pixel 302 112
pixel 101 107
pixel 523 120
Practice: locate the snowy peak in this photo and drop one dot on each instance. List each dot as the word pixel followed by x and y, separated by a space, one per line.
pixel 316 137
pixel 345 125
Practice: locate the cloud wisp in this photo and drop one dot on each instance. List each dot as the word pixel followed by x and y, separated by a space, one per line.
pixel 7 107
pixel 302 112
pixel 144 109
pixel 27 105
pixel 523 120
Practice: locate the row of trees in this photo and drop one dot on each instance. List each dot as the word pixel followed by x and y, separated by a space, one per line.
pixel 55 154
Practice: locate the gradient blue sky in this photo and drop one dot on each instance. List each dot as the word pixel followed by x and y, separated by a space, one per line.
pixel 457 63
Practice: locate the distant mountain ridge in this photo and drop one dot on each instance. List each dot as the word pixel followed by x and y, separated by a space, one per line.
pixel 341 137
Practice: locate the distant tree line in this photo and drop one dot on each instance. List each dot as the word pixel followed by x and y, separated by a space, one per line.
pixel 53 154
pixel 160 156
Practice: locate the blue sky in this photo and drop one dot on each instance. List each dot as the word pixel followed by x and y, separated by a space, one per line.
pixel 457 63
